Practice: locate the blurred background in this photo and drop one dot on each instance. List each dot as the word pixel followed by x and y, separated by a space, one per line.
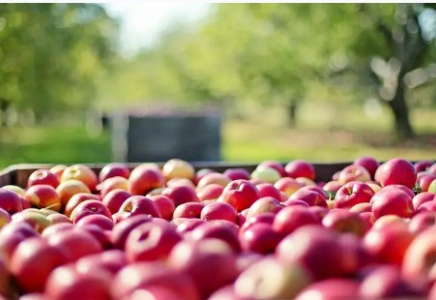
pixel 323 82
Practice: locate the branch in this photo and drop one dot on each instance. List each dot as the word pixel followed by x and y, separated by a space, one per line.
pixel 380 26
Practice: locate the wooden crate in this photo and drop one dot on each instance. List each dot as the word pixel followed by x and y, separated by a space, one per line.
pixel 19 174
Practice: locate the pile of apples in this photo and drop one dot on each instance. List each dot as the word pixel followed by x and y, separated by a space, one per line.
pixel 175 233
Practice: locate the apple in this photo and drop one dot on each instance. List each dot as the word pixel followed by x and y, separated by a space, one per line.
pixel 43 195
pixel 268 190
pixel 432 187
pixel 422 198
pixel 82 173
pixel 310 197
pixel 219 229
pixel 188 210
pixel 274 165
pixel 344 221
pixel 16 189
pixel 422 221
pixel 77 199
pixel 111 261
pixel 219 211
pixel 375 187
pixel 332 288
pixel 267 218
pixel 186 225
pixel 213 178
pixel 288 185
pixel 180 194
pixel 241 194
pixel 43 176
pixel 369 163
pixel 300 168
pixel 113 183
pixel 266 174
pixel 279 282
pixel 210 192
pixel 89 207
pixel 11 236
pixel 426 206
pixel 75 243
pixel 9 201
pixel 36 219
pixel 422 165
pixel 397 171
pixel 320 253
pixel 96 219
pixel 142 275
pixel 237 174
pixel 58 218
pixel 143 180
pixel 200 174
pixel 393 202
pixel 137 205
pixel 164 205
pixel 389 243
pixel 122 229
pixel 305 181
pixel 58 170
pixel 260 238
pixel 33 261
pixel 296 202
pixel 247 259
pixel 293 217
pixel 112 170
pixel 115 199
pixel 354 173
pixel 263 205
pixel 361 207
pixel 177 168
pixel 180 181
pixel 151 241
pixel 425 181
pixel 432 169
pixel 67 189
pixel 388 220
pixel 353 193
pixel 67 283
pixel 398 187
pixel 331 188
pixel 228 293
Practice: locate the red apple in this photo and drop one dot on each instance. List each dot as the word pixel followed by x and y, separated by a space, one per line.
pixel 426 206
pixel 389 220
pixel 164 205
pixel 33 261
pixel 319 211
pixel 263 205
pixel 393 202
pixel 185 225
pixel 177 168
pixel 16 189
pixel 268 190
pixel 300 168
pixel 5 218
pixel 89 207
pixel 34 218
pixel 354 173
pixel 122 229
pixel 344 221
pixel 210 192
pixel 260 238
pixel 398 187
pixel 213 178
pixel 11 236
pixel 188 210
pixel 200 174
pixel 275 165
pixel 369 163
pixel 246 260
pixel 241 194
pixel 111 261
pixel 310 197
pixel 9 201
pixel 422 221
pixel 67 189
pixel 361 207
pixel 113 183
pixel 96 219
pixel 296 202
pixel 432 169
pixel 82 173
pixel 43 195
pixel 219 229
pixel 353 193
pixel 425 181
pixel 331 188
pixel 288 185
pixel 143 180
pixel 137 205
pixel 151 241
pixel 219 211
pixel 332 288
pixel 397 171
pixel 115 199
pixel 112 170
pixel 293 217
pixel 43 176
pixel 237 174
pixel 180 194
pixel 77 199
pixel 422 165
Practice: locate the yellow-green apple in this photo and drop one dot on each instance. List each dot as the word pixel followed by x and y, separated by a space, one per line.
pixel 112 170
pixel 392 202
pixel 188 210
pixel 260 238
pixel 33 261
pixel 275 165
pixel 279 282
pixel 177 168
pixel 210 192
pixel 422 221
pixel 397 171
pixel 361 207
pixel 268 190
pixel 288 185
pixel 344 221
pixel 43 176
pixel 143 180
pixel 77 199
pixel 241 194
pixel 312 198
pixel 141 275
pixel 9 201
pixel 43 195
pixel 114 199
pixel 93 285
pixel 113 183
pixel 196 259
pixel 82 173
pixel 89 207
pixel 264 205
pixel 389 243
pixel 155 192
pixel 331 288
pixel 237 174
pixel 369 163
pixel 138 205
pixel 219 229
pixel 164 205
pixel 300 168
pixel 58 170
pixel 69 188
pixel 122 229
pixel 353 193
pixel 266 174
pixel 151 241
pixel 354 173
pixel 432 187
pixel 219 211
pixel 213 178
pixel 293 217
pixel 181 194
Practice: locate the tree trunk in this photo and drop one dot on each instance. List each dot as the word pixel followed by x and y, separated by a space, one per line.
pixel 292 113
pixel 400 111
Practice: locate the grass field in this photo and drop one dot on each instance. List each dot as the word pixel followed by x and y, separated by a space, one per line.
pixel 315 139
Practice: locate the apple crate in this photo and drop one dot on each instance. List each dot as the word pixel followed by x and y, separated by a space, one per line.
pixel 19 174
